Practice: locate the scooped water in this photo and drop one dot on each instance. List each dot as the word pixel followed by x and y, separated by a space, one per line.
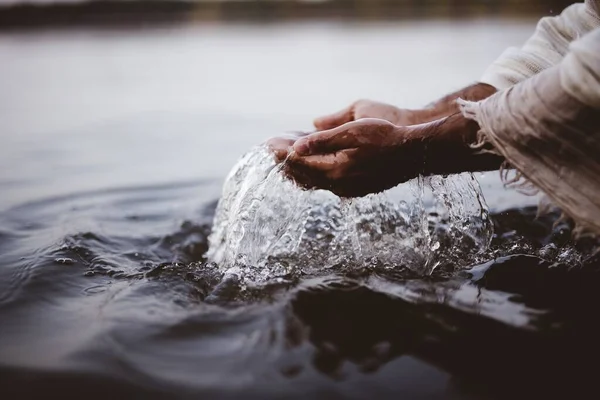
pixel 267 228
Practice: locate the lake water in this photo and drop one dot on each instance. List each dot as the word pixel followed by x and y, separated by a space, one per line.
pixel 113 149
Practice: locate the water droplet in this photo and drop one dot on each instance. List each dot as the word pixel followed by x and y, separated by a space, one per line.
pixel 64 261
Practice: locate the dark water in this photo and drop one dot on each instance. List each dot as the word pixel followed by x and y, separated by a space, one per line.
pixel 114 147
pixel 101 294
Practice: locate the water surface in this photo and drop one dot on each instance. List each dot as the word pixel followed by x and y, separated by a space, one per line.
pixel 114 147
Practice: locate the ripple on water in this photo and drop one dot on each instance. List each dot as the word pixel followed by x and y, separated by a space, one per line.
pixel 154 317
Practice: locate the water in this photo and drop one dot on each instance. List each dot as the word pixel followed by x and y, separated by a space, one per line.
pixel 115 145
pixel 267 228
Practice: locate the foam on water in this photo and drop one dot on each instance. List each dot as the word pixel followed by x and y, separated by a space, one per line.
pixel 267 228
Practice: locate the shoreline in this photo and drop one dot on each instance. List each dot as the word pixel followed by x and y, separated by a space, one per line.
pixel 115 13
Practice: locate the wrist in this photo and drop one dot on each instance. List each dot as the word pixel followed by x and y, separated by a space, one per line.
pixel 447 146
pixel 426 115
pixel 447 106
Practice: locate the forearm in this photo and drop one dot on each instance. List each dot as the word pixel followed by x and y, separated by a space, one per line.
pixel 447 106
pixel 447 146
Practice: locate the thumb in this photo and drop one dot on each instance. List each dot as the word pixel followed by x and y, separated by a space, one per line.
pixel 326 142
pixel 335 120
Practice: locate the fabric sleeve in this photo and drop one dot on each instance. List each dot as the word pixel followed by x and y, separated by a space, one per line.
pixel 548 128
pixel 546 48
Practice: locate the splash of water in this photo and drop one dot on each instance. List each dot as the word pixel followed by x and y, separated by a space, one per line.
pixel 266 228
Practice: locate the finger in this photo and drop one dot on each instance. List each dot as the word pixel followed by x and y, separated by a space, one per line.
pixel 341 181
pixel 280 147
pixel 296 134
pixel 280 155
pixel 311 179
pixel 325 142
pixel 304 176
pixel 324 163
pixel 335 120
pixel 345 186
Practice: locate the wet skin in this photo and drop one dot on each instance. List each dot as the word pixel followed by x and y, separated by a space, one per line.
pixel 370 147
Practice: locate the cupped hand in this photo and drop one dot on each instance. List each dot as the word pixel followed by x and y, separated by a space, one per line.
pixel 360 109
pixel 367 109
pixel 357 158
pixel 281 146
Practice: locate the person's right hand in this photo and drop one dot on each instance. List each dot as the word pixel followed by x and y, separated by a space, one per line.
pixel 360 109
pixel 360 157
pixel 372 155
pixel 367 109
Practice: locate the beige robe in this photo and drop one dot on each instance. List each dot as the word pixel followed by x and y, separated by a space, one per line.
pixel 545 120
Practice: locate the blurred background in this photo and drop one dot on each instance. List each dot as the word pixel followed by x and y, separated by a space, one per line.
pixel 20 13
pixel 101 94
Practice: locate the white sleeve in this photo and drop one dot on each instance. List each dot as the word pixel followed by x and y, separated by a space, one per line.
pixel 580 71
pixel 548 128
pixel 546 48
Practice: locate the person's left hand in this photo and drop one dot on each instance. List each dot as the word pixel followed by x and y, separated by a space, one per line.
pixel 357 158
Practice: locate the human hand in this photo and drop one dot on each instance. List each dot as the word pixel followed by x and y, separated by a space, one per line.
pixel 373 155
pixel 357 158
pixel 442 108
pixel 361 109
pixel 367 109
pixel 280 146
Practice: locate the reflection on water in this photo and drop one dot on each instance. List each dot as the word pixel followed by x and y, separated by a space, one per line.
pixel 114 148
